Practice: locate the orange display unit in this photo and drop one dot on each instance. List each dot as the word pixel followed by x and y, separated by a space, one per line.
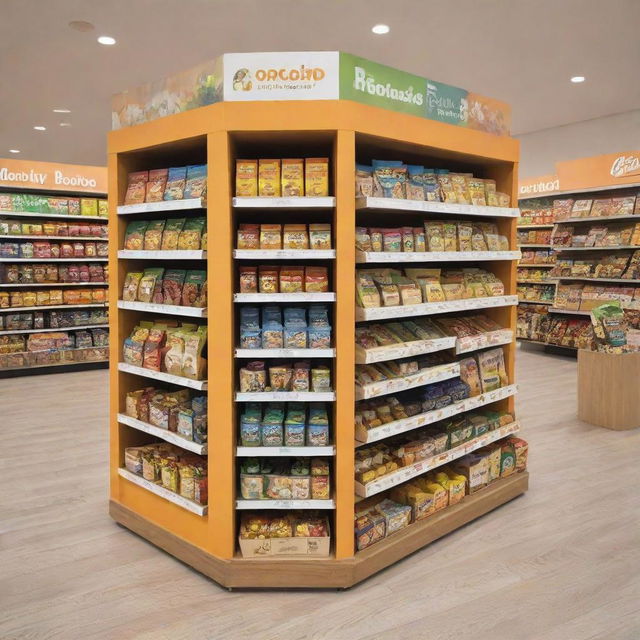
pixel 345 132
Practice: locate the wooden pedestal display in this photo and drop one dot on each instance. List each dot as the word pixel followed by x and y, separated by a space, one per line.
pixel 608 389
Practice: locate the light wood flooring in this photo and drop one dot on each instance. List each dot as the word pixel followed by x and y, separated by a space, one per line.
pixel 560 563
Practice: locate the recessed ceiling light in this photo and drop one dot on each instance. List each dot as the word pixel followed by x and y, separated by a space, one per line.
pixel 577 79
pixel 39 127
pixel 65 124
pixel 106 40
pixel 14 150
pixel 380 29
pixel 81 25
pixel 62 111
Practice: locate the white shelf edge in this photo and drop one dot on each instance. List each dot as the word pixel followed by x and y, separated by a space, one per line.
pixel 299 202
pixel 364 257
pixel 250 452
pixel 618 247
pixel 54 284
pixel 535 226
pixel 590 279
pixel 550 302
pixel 534 245
pixel 544 265
pixel 59 216
pixel 200 385
pixel 407 473
pixel 9 332
pixel 286 396
pixel 632 216
pixel 54 259
pixel 403 350
pixel 397 204
pixel 477 344
pixel 179 254
pixel 429 417
pixel 284 254
pixel 285 353
pixel 284 297
pixel 164 434
pixel 66 238
pixel 165 205
pixel 285 504
pixel 430 308
pixel 173 310
pixel 159 490
pixel 48 307
pixel 551 282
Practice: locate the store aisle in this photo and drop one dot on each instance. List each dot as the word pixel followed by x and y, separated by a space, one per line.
pixel 533 567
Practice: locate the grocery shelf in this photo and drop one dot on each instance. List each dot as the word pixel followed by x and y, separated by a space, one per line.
pixel 535 301
pixel 284 297
pixel 435 256
pixel 575 312
pixel 486 340
pixel 54 364
pixel 534 226
pixel 634 216
pixel 275 452
pixel 534 246
pixel 58 216
pixel 49 307
pixel 617 247
pixel 179 254
pixel 407 473
pixel 544 265
pixel 164 434
pixel 284 254
pixel 169 309
pixel 286 396
pixel 200 385
pixel 403 350
pixel 54 284
pixel 446 208
pixel 590 279
pixel 550 281
pixel 285 353
pixel 159 490
pixel 49 329
pixel 429 308
pixel 165 205
pixel 66 238
pixel 300 202
pixel 395 385
pixel 285 504
pixel 366 436
pixel 54 259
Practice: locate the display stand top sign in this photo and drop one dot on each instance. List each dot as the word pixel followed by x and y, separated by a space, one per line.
pixel 309 75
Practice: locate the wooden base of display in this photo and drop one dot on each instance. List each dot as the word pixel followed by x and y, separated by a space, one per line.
pixel 324 573
pixel 608 389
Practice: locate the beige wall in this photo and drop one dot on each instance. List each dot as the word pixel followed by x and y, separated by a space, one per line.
pixel 541 149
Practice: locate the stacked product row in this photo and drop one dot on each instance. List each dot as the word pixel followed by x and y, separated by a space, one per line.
pixel 166 235
pixel 289 177
pixel 52 205
pixel 176 183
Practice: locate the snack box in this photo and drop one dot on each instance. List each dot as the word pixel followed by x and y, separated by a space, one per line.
pixel 298 546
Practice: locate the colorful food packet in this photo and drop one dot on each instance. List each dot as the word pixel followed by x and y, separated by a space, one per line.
pixel 174 189
pixel 156 184
pixel 270 236
pixel 248 278
pixel 415 184
pixel 248 236
pixel 153 348
pixel 268 279
pixel 316 279
pixel 136 187
pixel 320 236
pixel 172 286
pixel 392 177
pixel 295 236
pixel 246 178
pixel 364 181
pixel 148 282
pixel 132 352
pixel 153 235
pixel 134 235
pixel 191 235
pixel 196 181
pixel 193 364
pixel 447 192
pixel 268 177
pixel 292 177
pixel 171 233
pixel 316 177
pixel 130 290
pixel 194 289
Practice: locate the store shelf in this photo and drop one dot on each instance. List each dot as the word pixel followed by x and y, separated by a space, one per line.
pixel 65 238
pixel 403 350
pixel 163 255
pixel 590 279
pixel 163 434
pixel 534 226
pixel 49 329
pixel 284 203
pixel 276 452
pixel 364 436
pixel 442 208
pixel 429 308
pixel 285 353
pixel 168 205
pixel 284 254
pixel 54 364
pixel 50 307
pixel 54 260
pixel 53 284
pixel 363 257
pixel 552 282
pixel 546 302
pixel 284 297
pixel 159 490
pixel 574 312
pixel 496 338
pixel 544 265
pixel 57 216
pixel 285 504
pixel 395 385
pixel 417 469
pixel 286 396
pixel 617 247
pixel 168 309
pixel 535 246
pixel 200 385
pixel 634 216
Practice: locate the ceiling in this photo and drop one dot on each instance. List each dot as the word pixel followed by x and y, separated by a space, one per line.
pixel 519 51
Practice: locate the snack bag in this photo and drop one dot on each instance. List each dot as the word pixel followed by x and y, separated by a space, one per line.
pixel 147 285
pixel 191 235
pixel 470 375
pixel 172 286
pixel 174 189
pixel 364 181
pixel 415 186
pixel 445 184
pixel 248 277
pixel 134 235
pixel 270 236
pixel 268 178
pixel 392 177
pixel 295 236
pixel 153 235
pixel 316 279
pixel 493 374
pixel 196 181
pixel 153 348
pixel 292 177
pixel 131 282
pixel 132 352
pixel 136 187
pixel 248 236
pixel 171 233
pixel 193 364
pixel 194 291
pixel 320 236
pixel 431 186
pixel 246 178
pixel 156 184
pixel 316 177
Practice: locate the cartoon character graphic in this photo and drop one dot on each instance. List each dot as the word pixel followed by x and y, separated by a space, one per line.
pixel 242 80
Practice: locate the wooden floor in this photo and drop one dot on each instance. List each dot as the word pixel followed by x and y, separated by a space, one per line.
pixel 561 563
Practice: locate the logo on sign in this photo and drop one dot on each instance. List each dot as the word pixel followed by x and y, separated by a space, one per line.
pixel 301 77
pixel 625 166
pixel 540 187
pixel 366 83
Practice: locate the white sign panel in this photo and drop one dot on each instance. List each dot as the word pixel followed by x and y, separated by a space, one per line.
pixel 292 75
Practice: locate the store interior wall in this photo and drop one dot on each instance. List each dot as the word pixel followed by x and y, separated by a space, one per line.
pixel 540 150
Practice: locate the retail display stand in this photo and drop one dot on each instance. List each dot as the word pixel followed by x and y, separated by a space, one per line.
pixel 207 537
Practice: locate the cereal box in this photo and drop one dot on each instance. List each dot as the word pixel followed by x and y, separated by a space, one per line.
pixel 246 178
pixel 292 177
pixel 268 178
pixel 316 177
pixel 88 207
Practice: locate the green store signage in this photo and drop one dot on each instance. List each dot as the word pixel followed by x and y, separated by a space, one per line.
pixel 446 103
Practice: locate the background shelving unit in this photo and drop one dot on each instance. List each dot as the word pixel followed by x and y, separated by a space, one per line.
pixel 29 216
pixel 345 132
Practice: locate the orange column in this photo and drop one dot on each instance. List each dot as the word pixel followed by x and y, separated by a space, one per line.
pixel 221 419
pixel 345 224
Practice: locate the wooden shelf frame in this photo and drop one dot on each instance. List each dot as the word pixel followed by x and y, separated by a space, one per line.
pixel 215 134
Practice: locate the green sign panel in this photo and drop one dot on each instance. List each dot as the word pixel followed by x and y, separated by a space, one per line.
pixel 446 103
pixel 381 86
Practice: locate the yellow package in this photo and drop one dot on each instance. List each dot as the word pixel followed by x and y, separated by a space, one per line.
pixel 459 182
pixel 270 236
pixel 421 502
pixel 450 236
pixel 295 236
pixel 292 177
pixel 246 178
pixel 316 177
pixel 268 178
